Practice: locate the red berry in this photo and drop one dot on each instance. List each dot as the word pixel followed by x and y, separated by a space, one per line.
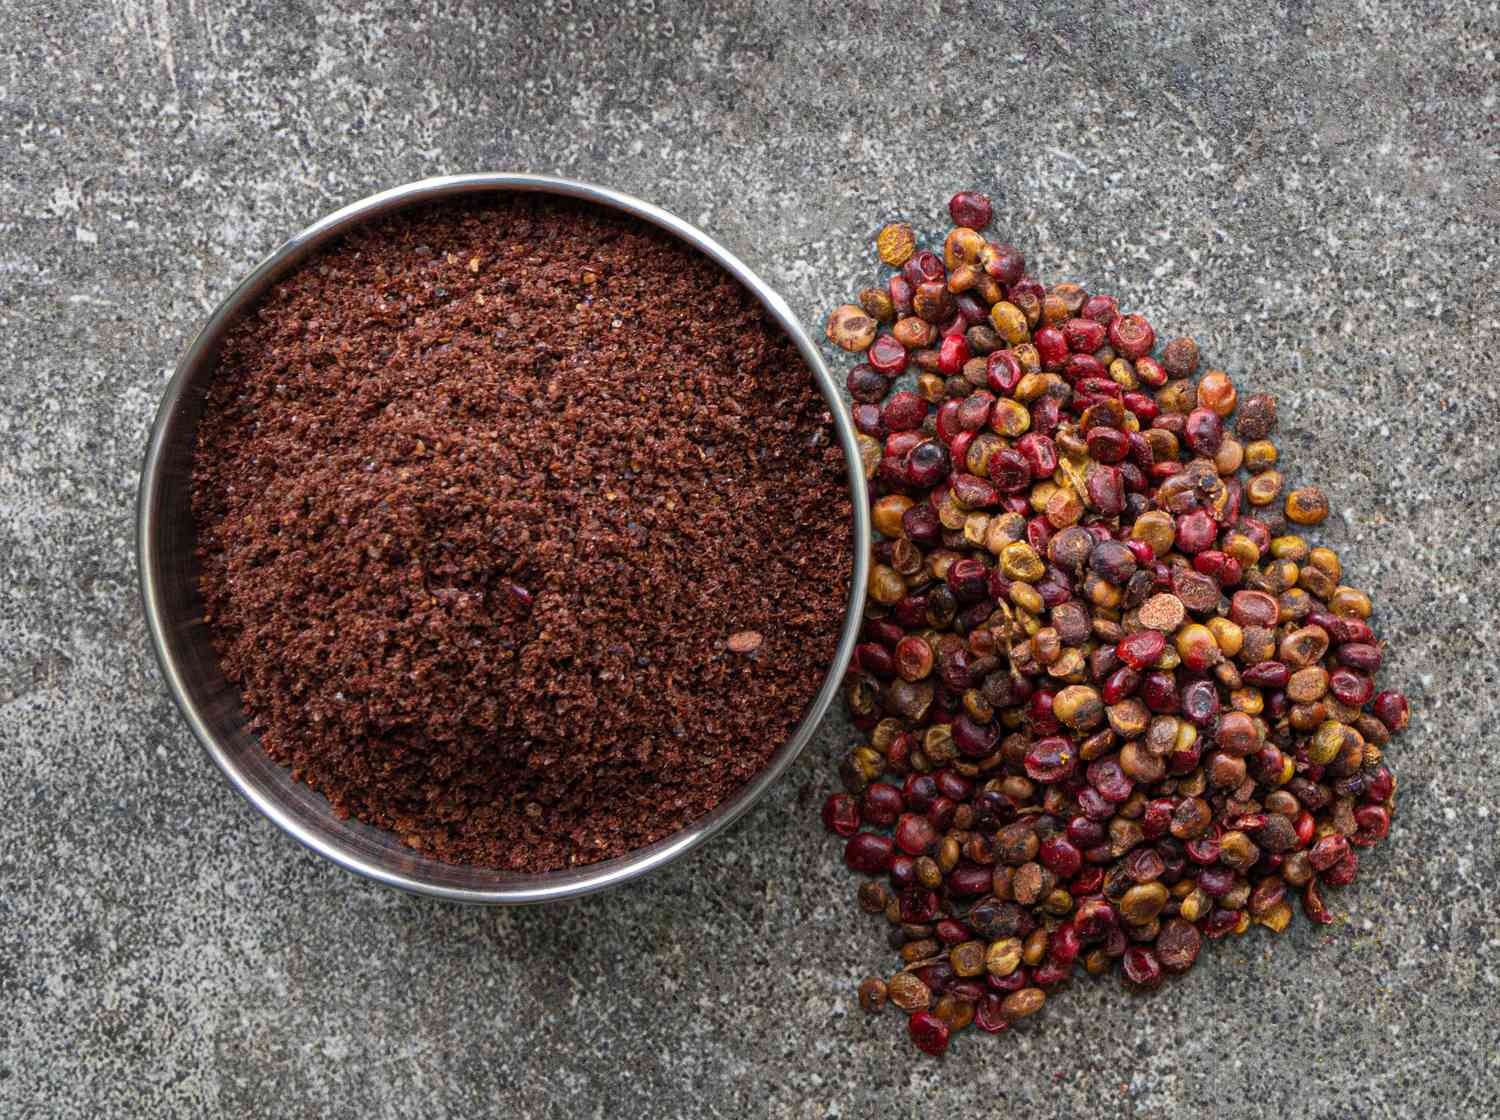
pixel 971 209
pixel 929 1032
pixel 841 815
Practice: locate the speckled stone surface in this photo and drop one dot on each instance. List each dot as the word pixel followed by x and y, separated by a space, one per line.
pixel 1310 189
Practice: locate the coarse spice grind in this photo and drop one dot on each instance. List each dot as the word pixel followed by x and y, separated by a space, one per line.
pixel 524 530
pixel 1116 703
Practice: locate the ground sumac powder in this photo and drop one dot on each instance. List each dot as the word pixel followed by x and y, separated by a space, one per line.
pixel 490 498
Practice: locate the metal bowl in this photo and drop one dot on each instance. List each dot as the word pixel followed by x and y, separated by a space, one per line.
pixel 211 705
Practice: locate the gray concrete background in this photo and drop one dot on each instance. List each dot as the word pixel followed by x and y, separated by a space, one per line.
pixel 1311 190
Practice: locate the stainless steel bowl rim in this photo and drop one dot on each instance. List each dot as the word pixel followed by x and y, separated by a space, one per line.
pixel 547 886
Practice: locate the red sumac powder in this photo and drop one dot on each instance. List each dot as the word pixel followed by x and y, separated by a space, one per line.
pixel 482 494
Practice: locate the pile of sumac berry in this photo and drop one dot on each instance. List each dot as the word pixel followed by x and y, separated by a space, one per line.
pixel 1116 704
